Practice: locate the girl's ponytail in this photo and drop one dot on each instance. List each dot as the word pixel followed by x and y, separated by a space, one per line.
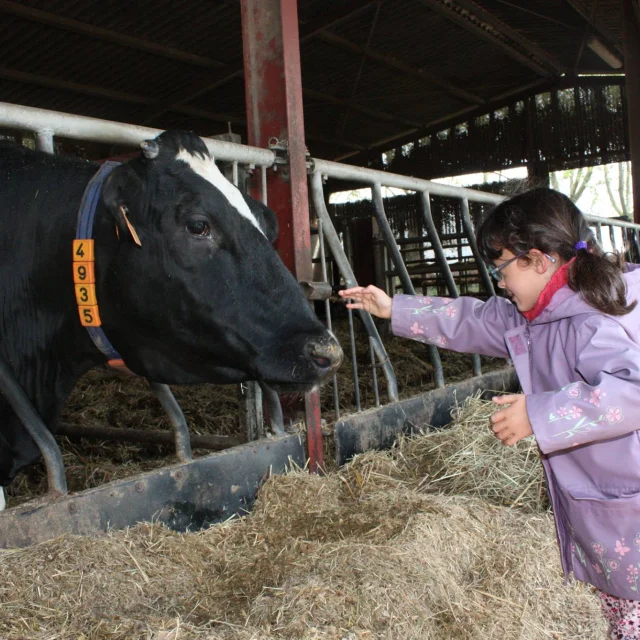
pixel 597 277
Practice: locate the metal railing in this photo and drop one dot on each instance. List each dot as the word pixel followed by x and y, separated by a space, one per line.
pixel 48 124
pixel 375 180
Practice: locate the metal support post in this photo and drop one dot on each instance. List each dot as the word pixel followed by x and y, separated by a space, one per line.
pixel 273 90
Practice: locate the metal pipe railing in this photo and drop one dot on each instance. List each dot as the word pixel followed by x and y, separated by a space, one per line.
pixel 339 257
pixel 66 125
pixel 403 274
pixel 442 262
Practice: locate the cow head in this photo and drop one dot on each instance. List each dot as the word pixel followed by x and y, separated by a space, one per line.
pixel 204 297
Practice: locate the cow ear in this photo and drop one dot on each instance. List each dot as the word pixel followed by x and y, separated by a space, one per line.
pixel 266 218
pixel 122 180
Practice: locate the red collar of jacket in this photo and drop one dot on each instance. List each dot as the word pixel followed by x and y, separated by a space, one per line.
pixel 559 279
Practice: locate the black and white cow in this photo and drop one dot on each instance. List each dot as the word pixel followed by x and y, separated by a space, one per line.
pixel 204 297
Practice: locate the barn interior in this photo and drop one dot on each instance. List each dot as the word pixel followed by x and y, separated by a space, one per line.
pixel 380 95
pixel 424 89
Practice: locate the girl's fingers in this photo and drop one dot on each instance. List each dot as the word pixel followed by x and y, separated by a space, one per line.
pixel 347 293
pixel 510 399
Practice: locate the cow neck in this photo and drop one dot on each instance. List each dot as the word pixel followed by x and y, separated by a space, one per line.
pixel 84 272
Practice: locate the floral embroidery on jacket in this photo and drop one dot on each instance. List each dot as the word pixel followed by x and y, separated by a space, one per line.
pixel 417 329
pixel 621 548
pixel 603 566
pixel 612 415
pixel 573 390
pixel 596 396
pixel 428 308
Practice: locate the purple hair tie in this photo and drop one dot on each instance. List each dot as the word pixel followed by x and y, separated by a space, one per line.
pixel 580 245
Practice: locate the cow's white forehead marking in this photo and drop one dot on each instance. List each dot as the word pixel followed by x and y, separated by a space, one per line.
pixel 207 169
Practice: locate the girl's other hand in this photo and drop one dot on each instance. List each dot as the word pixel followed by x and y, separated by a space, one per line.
pixel 511 424
pixel 370 298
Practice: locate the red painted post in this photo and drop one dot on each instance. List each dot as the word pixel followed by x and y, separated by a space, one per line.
pixel 273 90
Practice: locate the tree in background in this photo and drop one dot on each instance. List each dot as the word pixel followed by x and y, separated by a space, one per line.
pixel 575 181
pixel 619 187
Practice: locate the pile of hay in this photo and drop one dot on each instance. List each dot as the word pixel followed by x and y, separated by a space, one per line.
pixel 467 459
pixel 364 553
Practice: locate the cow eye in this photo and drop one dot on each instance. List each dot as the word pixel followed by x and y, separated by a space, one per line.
pixel 199 227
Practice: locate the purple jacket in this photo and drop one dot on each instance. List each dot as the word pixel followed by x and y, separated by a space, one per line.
pixel 580 371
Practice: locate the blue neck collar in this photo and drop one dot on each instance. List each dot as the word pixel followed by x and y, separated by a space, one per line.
pixel 84 267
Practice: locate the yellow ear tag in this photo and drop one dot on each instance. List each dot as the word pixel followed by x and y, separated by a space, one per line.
pixel 132 231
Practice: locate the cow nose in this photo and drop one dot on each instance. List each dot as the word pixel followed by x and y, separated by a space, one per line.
pixel 325 353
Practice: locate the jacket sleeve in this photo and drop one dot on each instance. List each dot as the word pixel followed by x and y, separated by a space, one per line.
pixel 465 324
pixel 604 404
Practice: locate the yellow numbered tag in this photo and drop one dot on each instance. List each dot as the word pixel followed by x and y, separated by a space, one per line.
pixel 86 294
pixel 89 316
pixel 84 273
pixel 83 250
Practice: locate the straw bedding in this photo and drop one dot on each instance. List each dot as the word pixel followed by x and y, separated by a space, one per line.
pixel 377 550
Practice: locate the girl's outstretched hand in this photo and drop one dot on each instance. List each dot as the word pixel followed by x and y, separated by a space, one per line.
pixel 370 298
pixel 511 424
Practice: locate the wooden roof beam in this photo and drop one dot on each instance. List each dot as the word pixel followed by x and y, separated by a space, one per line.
pixel 600 30
pixel 373 114
pixel 523 42
pixel 307 31
pixel 455 12
pixel 76 26
pixel 128 98
pixel 397 65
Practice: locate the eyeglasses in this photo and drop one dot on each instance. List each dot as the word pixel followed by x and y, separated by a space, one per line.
pixel 496 272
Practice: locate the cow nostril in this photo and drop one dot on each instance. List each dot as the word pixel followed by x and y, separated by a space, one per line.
pixel 321 362
pixel 323 355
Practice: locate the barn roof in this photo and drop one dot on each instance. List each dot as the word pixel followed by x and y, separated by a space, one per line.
pixel 375 73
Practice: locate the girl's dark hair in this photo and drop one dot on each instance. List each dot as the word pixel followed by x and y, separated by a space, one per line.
pixel 547 220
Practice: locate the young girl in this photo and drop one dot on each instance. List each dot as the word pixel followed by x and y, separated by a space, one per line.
pixel 573 333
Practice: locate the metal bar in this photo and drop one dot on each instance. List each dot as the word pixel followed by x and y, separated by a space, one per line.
pixel 612 236
pixel 379 429
pixel 374 373
pixel 146 436
pixel 177 419
pixel 436 245
pixel 263 185
pixel 636 243
pixel 599 232
pixel 183 497
pixel 26 413
pixel 327 309
pixel 405 279
pixel 347 273
pixel 234 173
pixel 95 130
pixel 44 140
pixel 274 107
pixel 468 227
pixel 354 362
pixel 272 399
pixel 369 177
